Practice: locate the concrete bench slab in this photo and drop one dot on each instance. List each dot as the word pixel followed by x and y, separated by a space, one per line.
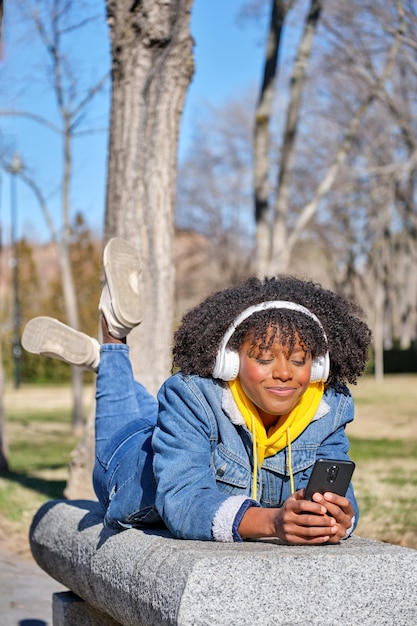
pixel 148 578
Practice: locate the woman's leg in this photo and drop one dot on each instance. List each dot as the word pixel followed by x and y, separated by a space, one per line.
pixel 126 415
pixel 125 412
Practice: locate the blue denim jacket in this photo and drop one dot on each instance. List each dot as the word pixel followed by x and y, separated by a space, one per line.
pixel 203 457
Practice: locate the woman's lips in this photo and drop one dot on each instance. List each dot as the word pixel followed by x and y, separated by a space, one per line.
pixel 281 391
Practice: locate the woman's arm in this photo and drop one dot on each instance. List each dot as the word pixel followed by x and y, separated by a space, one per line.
pixel 188 497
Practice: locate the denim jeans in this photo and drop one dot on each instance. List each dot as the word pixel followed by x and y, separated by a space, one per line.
pixel 126 416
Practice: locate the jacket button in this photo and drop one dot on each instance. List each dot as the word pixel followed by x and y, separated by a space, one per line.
pixel 220 472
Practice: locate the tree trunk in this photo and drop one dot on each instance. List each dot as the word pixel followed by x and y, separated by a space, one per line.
pixel 379 322
pixel 152 66
pixel 80 484
pixel 4 465
pixel 262 139
pixel 71 309
pixel 280 253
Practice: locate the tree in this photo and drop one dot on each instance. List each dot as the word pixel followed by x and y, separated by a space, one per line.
pixel 270 241
pixel 54 21
pixel 345 165
pixel 152 66
pixel 1 26
pixel 4 464
pixel 276 239
pixel 371 173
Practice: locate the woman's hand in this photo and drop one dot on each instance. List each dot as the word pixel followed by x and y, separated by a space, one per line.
pixel 324 520
pixel 340 509
pixel 303 522
pixel 300 521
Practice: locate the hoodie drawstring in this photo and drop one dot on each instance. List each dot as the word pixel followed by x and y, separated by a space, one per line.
pixel 255 461
pixel 290 460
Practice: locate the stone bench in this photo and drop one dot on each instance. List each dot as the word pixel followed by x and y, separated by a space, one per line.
pixel 144 578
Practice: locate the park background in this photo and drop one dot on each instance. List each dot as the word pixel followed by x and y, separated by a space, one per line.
pixel 361 240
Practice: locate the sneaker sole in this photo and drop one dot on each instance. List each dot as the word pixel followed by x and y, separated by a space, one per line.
pixel 49 337
pixel 122 266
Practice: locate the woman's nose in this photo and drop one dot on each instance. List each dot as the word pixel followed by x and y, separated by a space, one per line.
pixel 281 368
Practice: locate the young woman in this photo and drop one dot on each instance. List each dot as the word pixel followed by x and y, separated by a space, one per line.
pixel 260 394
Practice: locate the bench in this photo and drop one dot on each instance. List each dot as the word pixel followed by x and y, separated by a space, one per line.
pixel 147 578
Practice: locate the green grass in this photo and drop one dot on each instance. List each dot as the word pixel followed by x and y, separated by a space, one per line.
pixel 53 454
pixel 372 449
pixel 25 416
pixel 40 445
pixel 41 441
pixel 38 468
pixel 397 478
pixel 383 445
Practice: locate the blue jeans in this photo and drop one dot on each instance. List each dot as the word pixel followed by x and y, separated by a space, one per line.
pixel 126 416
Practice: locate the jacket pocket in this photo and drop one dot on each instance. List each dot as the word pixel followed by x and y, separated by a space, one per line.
pixel 231 472
pixel 303 457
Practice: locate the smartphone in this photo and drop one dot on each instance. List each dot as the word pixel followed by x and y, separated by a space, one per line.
pixel 329 475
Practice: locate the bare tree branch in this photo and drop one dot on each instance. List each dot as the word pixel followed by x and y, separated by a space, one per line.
pixel 279 245
pixel 92 91
pixel 31 183
pixel 327 182
pixel 34 117
pixel 262 136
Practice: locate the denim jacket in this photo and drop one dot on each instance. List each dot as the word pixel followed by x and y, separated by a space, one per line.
pixel 203 457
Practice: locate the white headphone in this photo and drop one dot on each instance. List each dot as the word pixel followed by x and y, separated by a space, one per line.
pixel 227 361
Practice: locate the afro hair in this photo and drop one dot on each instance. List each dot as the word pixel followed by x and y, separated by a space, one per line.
pixel 200 333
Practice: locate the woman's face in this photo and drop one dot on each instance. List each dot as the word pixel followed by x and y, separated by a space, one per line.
pixel 274 378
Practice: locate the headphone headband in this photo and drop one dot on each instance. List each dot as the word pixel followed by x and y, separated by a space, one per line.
pixel 263 306
pixel 222 355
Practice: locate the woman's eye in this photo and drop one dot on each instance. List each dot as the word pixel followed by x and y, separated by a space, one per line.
pixel 299 363
pixel 264 361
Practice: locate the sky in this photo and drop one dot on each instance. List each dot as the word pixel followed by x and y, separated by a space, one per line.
pixel 228 59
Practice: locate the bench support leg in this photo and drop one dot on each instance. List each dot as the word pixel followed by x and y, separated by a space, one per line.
pixel 70 610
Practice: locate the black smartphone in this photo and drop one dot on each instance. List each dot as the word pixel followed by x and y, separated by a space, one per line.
pixel 329 475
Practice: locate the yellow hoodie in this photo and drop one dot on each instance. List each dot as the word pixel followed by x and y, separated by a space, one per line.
pixel 286 430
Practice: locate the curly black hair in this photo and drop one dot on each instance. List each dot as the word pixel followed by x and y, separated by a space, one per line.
pixel 199 335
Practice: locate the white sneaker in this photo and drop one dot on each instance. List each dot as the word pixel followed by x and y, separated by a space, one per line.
pixel 49 337
pixel 120 301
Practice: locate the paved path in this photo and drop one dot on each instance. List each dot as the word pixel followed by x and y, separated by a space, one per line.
pixel 25 592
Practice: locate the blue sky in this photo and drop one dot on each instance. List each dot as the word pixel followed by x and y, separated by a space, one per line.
pixel 228 59
pixel 228 56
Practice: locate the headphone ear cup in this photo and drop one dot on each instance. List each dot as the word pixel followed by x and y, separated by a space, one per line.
pixel 227 365
pixel 320 368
